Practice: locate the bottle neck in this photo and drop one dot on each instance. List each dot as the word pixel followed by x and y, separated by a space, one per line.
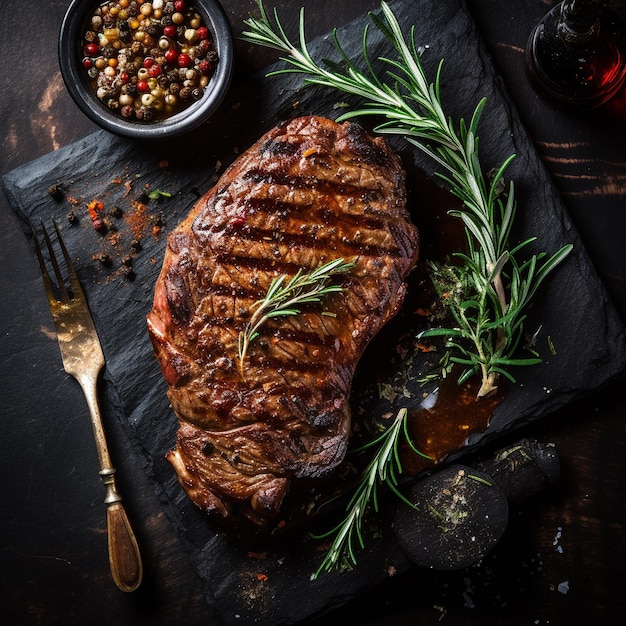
pixel 579 21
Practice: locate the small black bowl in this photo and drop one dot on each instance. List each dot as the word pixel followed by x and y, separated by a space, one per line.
pixel 75 24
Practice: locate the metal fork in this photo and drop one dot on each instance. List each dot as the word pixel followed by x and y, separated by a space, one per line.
pixel 83 359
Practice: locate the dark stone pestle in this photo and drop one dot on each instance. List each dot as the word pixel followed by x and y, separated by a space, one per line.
pixel 460 512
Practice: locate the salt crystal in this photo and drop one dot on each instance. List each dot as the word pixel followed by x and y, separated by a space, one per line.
pixel 563 587
pixel 430 400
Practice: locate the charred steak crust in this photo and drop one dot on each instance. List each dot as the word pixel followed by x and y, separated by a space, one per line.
pixel 308 192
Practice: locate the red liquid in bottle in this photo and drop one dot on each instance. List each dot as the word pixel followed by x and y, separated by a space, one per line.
pixel 578 60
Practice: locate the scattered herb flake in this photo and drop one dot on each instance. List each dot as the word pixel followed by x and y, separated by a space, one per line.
pixel 157 194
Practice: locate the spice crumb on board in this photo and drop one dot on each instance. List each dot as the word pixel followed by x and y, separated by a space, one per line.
pixel 55 191
pixel 258 555
pixel 103 258
pixel 137 219
pixel 95 209
pixel 123 229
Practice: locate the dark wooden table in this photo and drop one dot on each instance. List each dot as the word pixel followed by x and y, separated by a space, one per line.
pixel 563 558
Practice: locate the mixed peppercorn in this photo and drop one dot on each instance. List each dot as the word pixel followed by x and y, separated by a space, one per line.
pixel 148 60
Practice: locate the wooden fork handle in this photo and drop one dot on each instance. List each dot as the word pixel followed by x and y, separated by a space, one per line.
pixel 124 556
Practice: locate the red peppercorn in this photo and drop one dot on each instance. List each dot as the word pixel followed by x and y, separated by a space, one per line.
pixel 154 70
pixel 180 5
pixel 205 67
pixel 92 49
pixel 148 62
pixel 171 55
pixel 124 77
pixel 169 30
pixel 142 85
pixel 202 32
pixel 87 63
pixel 184 60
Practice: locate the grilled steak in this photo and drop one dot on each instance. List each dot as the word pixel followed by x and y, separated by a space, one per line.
pixel 308 192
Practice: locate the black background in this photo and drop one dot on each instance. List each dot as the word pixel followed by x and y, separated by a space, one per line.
pixel 54 566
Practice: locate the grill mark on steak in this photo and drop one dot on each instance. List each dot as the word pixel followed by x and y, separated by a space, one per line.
pixel 362 145
pixel 307 192
pixel 299 415
pixel 273 206
pixel 325 185
pixel 320 343
pixel 276 222
pixel 317 241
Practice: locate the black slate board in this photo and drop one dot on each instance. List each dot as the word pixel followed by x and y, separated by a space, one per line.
pixel 574 311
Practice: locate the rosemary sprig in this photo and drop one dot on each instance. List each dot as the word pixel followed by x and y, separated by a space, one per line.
pixel 488 311
pixel 285 295
pixel 491 288
pixel 384 468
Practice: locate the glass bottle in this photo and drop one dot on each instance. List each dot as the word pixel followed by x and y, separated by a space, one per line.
pixel 576 55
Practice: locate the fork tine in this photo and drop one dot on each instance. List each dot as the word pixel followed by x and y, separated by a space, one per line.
pixel 47 283
pixel 65 298
pixel 75 283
